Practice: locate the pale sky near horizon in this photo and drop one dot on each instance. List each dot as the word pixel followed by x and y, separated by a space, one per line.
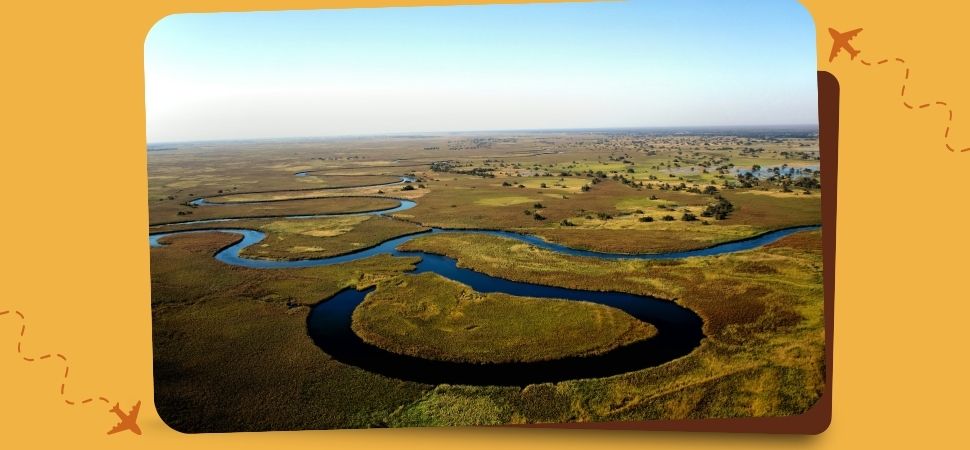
pixel 497 67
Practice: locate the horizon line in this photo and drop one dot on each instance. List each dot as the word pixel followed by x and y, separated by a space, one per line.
pixel 508 130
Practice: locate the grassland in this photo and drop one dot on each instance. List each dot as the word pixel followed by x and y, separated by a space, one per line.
pixel 288 239
pixel 611 210
pixel 740 283
pixel 763 318
pixel 231 345
pixel 435 318
pixel 343 205
pixel 240 327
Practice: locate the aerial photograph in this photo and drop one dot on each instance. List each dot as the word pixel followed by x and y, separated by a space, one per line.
pixel 484 215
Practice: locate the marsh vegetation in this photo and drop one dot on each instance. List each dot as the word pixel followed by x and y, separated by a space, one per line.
pixel 231 345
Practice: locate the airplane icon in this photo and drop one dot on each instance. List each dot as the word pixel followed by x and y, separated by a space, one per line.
pixel 841 40
pixel 127 420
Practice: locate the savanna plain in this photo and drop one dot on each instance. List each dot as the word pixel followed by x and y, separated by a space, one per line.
pixel 232 350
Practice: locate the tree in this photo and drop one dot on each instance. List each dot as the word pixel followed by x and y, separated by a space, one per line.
pixel 538 216
pixel 719 209
pixel 646 219
pixel 538 206
pixel 668 218
pixel 688 217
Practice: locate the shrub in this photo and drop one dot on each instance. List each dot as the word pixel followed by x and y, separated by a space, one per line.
pixel 719 209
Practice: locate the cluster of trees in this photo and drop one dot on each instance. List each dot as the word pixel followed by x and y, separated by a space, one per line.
pixel 708 190
pixel 453 167
pixel 808 183
pixel 800 155
pixel 628 181
pixel 669 187
pixel 719 210
pixel 443 166
pixel 535 214
pixel 783 176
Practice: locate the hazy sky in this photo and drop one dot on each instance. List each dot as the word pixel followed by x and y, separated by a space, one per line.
pixel 586 65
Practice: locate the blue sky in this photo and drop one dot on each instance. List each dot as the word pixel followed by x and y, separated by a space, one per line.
pixel 496 67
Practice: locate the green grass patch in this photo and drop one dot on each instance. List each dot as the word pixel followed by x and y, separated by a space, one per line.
pixel 431 317
pixel 504 201
pixel 288 239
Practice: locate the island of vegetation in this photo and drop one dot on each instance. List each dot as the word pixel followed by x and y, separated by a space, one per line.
pixel 435 318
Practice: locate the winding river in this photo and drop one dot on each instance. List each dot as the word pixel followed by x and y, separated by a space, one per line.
pixel 679 330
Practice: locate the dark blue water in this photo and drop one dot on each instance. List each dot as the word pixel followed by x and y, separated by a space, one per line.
pixel 230 255
pixel 678 333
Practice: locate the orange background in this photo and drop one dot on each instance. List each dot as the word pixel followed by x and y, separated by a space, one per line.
pixel 74 161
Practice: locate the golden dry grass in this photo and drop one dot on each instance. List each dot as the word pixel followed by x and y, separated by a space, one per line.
pixel 435 318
